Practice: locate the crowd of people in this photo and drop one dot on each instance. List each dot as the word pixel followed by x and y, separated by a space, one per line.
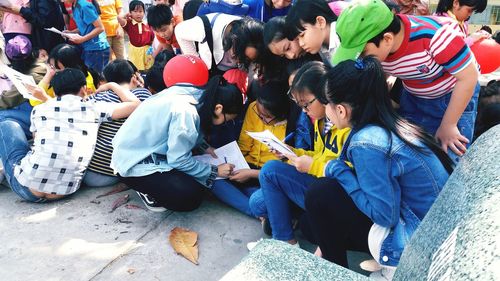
pixel 378 101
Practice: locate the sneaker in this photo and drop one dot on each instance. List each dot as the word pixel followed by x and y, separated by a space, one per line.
pixel 252 245
pixel 385 274
pixel 150 203
pixel 370 265
pixel 266 227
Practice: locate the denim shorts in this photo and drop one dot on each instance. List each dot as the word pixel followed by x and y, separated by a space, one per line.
pixel 96 59
pixel 428 113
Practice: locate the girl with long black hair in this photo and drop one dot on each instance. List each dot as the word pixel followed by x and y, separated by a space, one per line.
pixel 398 171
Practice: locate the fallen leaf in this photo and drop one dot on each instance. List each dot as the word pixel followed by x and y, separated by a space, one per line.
pixel 131 271
pixel 120 187
pixel 119 202
pixel 184 242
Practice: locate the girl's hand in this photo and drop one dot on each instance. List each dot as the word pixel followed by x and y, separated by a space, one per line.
pixel 225 170
pixel 302 163
pixel 75 38
pixel 210 150
pixel 51 71
pixel 37 92
pixel 243 175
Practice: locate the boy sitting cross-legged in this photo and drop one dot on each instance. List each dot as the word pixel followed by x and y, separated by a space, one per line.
pixel 64 131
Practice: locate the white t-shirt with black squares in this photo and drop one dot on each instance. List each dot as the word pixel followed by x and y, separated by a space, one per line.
pixel 65 131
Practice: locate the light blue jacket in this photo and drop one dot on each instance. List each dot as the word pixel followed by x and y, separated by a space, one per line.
pixel 392 183
pixel 165 127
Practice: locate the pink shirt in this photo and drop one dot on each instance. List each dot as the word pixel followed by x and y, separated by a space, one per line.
pixel 12 23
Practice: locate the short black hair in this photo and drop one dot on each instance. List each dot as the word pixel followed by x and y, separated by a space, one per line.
pixel 159 15
pixel 118 71
pixel 68 81
pixel 191 9
pixel 487 29
pixel 444 6
pixel 134 3
pixel 306 11
pixel 272 96
pixel 394 27
pixel 310 77
pixel 246 32
pixel 154 77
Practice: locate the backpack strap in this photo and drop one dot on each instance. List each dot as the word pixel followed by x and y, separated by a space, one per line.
pixel 208 25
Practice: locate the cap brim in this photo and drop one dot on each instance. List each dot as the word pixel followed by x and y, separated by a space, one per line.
pixel 342 53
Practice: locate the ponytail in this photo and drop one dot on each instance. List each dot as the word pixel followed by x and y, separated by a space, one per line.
pixel 218 91
pixel 361 84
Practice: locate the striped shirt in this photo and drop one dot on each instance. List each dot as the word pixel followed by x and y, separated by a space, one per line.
pixel 107 131
pixel 432 51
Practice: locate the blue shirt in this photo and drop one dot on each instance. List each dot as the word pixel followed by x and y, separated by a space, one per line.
pixel 259 10
pixel 392 183
pixel 84 14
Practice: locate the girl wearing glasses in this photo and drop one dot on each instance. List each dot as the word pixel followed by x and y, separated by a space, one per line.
pixel 269 112
pixel 285 183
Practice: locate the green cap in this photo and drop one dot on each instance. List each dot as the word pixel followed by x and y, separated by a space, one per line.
pixel 359 22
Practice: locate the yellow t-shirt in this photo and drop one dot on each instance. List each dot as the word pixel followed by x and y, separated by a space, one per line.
pixel 255 152
pixel 326 148
pixel 50 90
pixel 109 16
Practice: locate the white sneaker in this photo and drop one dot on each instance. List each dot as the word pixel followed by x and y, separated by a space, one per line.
pixel 251 245
pixel 370 265
pixel 385 274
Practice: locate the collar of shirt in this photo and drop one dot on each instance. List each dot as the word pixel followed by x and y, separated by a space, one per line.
pixel 134 22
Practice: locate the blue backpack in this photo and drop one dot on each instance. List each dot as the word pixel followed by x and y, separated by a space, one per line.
pixel 221 6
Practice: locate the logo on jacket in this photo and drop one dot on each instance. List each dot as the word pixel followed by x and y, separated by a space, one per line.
pixel 423 68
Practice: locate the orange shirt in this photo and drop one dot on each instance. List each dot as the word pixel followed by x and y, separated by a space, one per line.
pixel 173 40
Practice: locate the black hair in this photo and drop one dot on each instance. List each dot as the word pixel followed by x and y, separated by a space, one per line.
pixel 394 27
pixel 26 64
pixel 272 96
pixel 392 5
pixel 219 91
pixel 159 15
pixel 191 9
pixel 154 76
pixel 362 85
pixel 487 29
pixel 444 6
pixel 274 30
pixel 309 78
pixel 246 32
pixel 118 71
pixel 68 81
pixel 294 65
pixel 70 56
pixel 134 3
pixel 488 118
pixel 306 11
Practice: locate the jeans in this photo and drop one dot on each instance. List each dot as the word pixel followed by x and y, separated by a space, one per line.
pixel 173 190
pixel 95 179
pixel 281 185
pixel 428 114
pixel 13 148
pixel 21 114
pixel 96 59
pixel 234 196
pixel 257 204
pixel 334 221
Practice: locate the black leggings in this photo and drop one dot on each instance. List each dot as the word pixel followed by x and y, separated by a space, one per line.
pixel 173 190
pixel 334 221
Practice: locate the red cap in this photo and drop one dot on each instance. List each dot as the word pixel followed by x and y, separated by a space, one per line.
pixel 185 69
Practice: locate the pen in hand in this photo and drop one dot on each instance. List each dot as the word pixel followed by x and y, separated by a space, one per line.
pixel 225 160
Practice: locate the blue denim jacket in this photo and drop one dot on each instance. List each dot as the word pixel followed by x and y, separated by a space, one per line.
pixel 392 183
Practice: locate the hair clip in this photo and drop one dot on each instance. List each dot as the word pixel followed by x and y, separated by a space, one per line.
pixel 359 64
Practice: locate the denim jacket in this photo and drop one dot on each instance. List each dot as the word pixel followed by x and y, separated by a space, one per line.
pixel 159 136
pixel 392 183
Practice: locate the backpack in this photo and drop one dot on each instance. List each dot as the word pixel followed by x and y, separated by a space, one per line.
pixel 236 8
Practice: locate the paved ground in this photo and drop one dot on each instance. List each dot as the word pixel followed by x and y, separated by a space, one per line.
pixel 76 239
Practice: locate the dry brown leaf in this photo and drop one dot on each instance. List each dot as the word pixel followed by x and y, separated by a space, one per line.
pixel 131 270
pixel 184 242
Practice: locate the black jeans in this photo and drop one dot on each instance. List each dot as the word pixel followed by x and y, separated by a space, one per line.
pixel 173 190
pixel 334 221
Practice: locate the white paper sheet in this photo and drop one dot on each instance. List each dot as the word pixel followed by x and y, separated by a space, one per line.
pixel 63 34
pixel 267 138
pixel 230 152
pixel 19 79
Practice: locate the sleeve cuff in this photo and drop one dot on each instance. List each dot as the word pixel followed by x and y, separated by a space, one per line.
pixel 211 178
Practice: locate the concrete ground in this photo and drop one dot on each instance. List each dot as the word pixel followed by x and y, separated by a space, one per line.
pixel 79 239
